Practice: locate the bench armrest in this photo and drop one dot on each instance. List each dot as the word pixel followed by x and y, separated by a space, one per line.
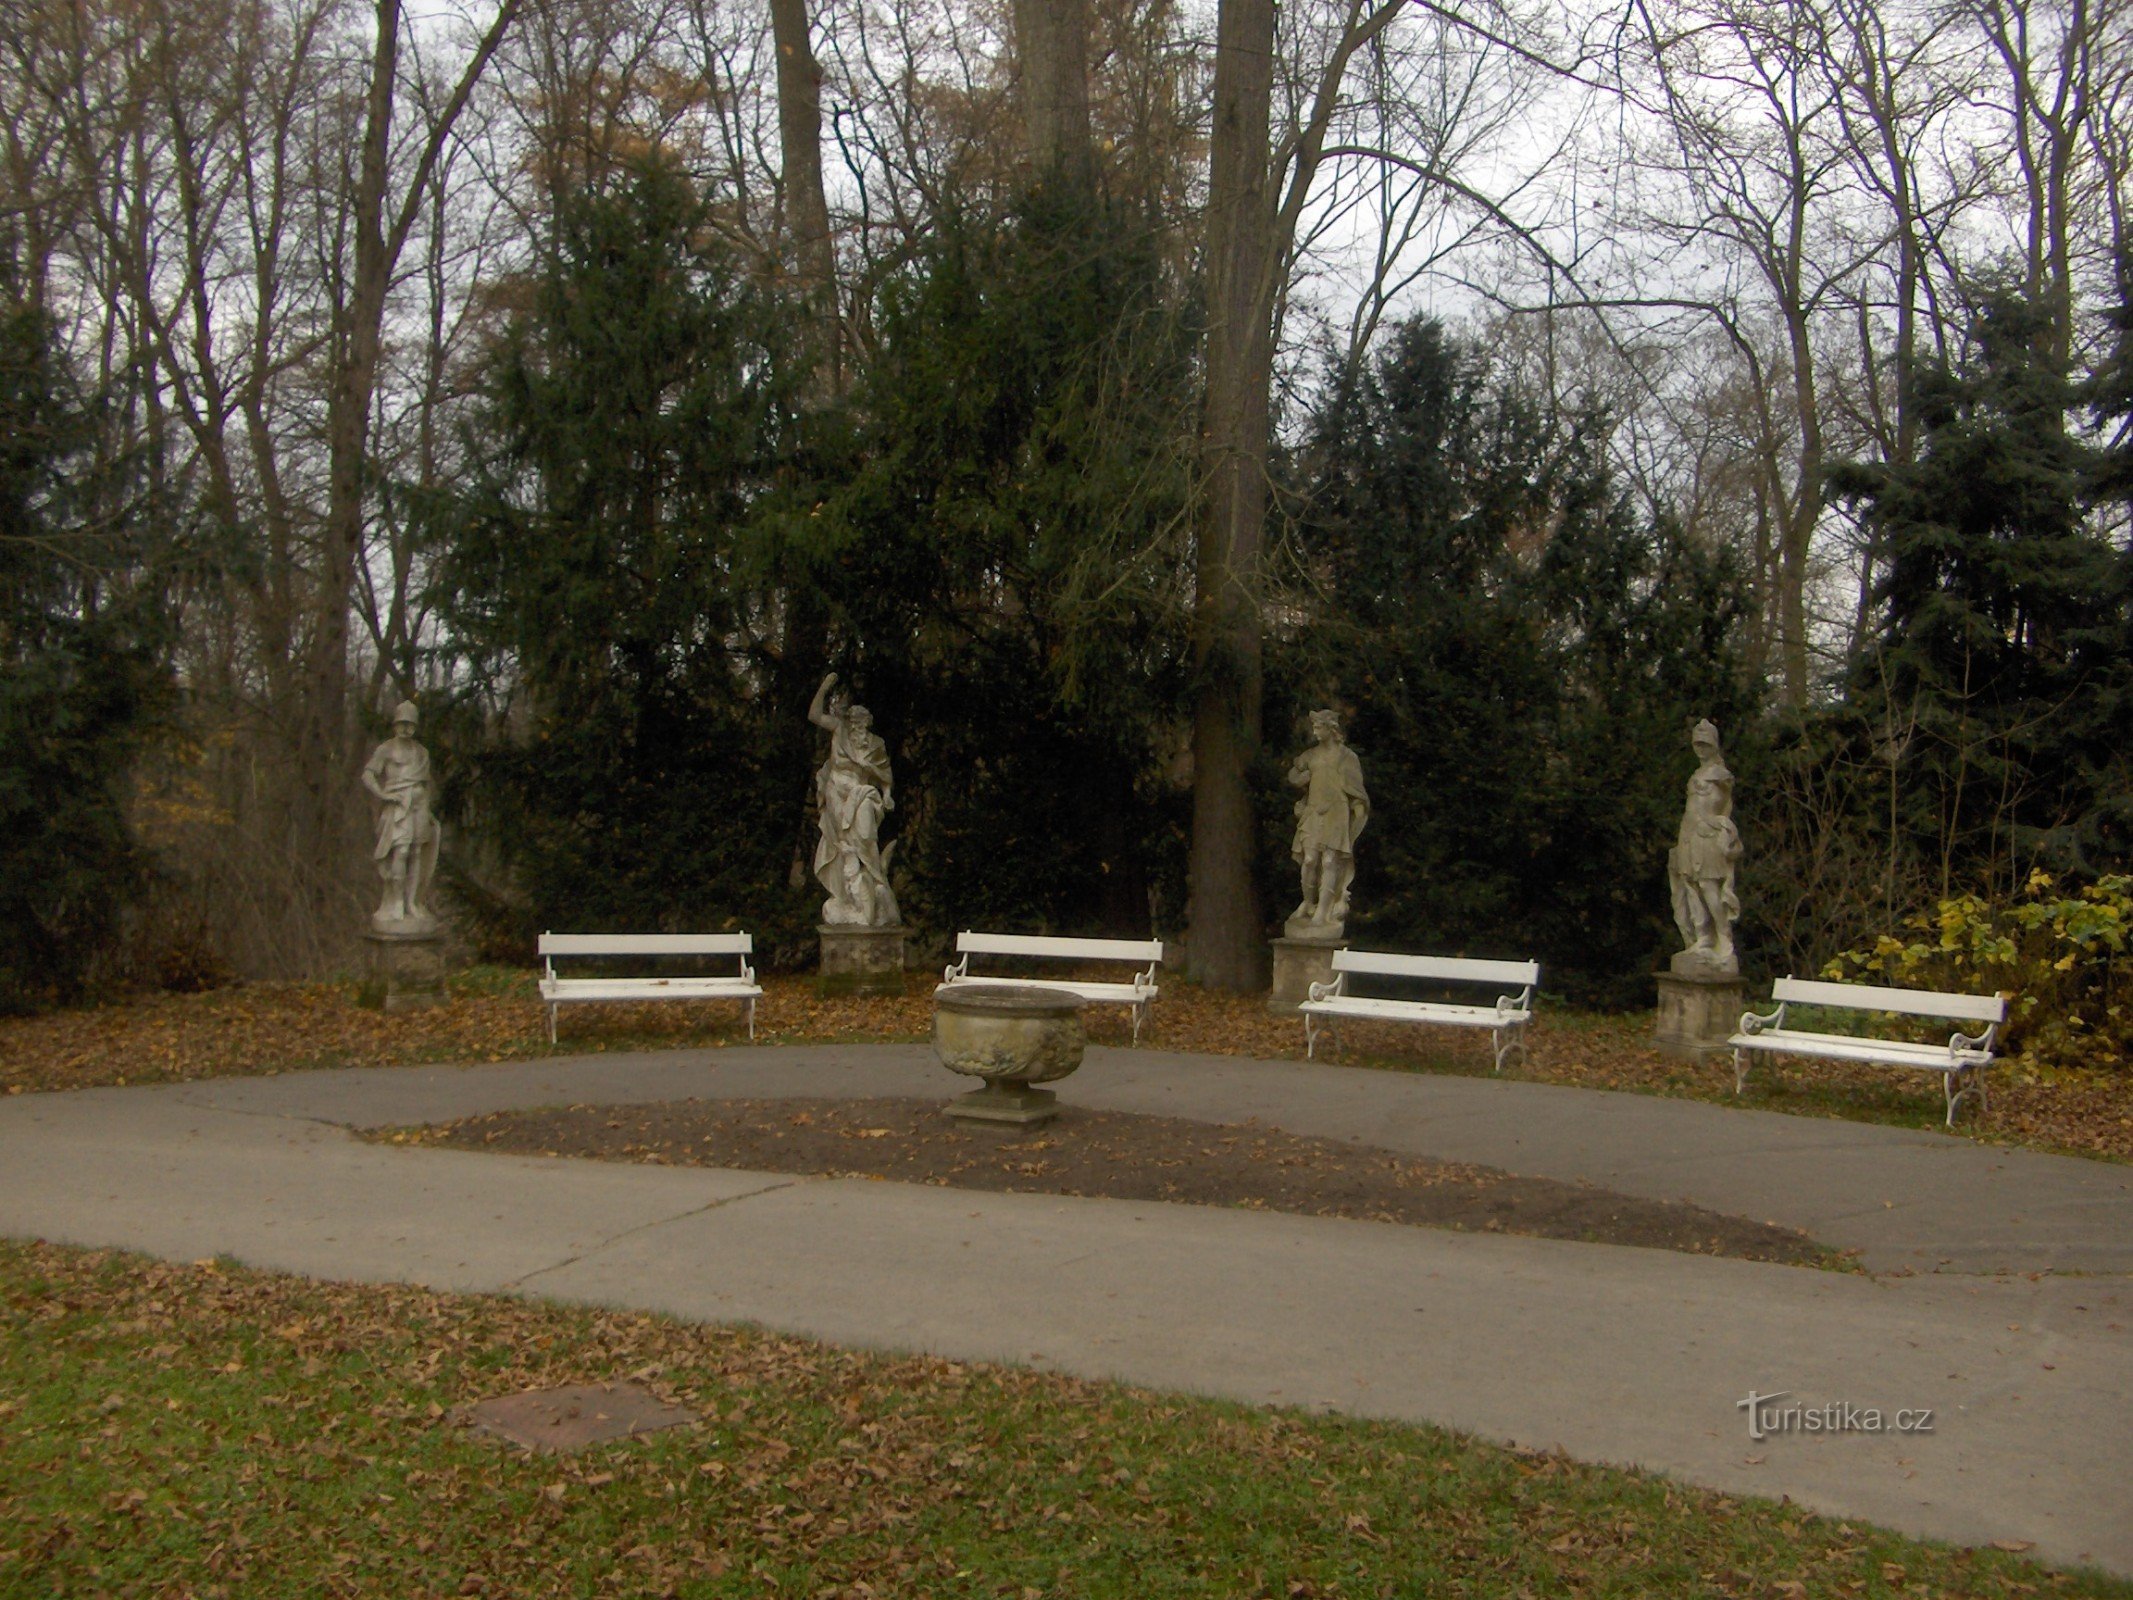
pixel 1145 980
pixel 1523 1001
pixel 1329 991
pixel 1751 1022
pixel 1960 1042
pixel 956 969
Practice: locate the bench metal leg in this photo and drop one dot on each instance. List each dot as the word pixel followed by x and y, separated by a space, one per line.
pixel 1312 1030
pixel 1139 1011
pixel 1517 1042
pixel 1960 1082
pixel 751 1019
pixel 1740 1069
pixel 551 1024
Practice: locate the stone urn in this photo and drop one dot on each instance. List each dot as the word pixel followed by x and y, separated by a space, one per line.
pixel 1013 1037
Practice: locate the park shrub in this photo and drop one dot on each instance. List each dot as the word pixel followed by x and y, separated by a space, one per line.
pixel 2053 951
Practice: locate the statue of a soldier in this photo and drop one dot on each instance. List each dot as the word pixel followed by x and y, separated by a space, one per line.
pixel 1701 867
pixel 1329 819
pixel 398 776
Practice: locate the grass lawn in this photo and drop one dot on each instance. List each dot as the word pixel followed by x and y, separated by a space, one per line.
pixel 208 1430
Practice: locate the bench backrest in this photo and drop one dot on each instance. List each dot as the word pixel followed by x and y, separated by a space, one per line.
pixel 1909 1002
pixel 1034 944
pixel 646 944
pixel 1451 969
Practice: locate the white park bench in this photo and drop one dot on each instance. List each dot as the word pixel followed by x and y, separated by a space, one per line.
pixel 558 991
pixel 1137 995
pixel 1505 1018
pixel 1961 1062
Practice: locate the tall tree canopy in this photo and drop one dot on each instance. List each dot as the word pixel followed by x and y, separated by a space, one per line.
pixel 2001 681
pixel 1522 656
pixel 80 665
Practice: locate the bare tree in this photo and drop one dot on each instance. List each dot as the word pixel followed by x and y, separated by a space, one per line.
pixel 1052 40
pixel 807 223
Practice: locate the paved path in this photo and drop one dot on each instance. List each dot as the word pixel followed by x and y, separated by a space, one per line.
pixel 2002 1297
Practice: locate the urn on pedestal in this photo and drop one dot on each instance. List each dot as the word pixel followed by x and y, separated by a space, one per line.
pixel 1013 1037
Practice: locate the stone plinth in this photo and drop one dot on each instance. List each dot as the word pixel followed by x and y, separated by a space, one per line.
pixel 402 971
pixel 1299 963
pixel 861 960
pixel 1012 1037
pixel 1698 1011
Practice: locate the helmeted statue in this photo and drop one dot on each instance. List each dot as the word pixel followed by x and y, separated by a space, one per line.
pixel 852 795
pixel 1329 819
pixel 1700 869
pixel 398 776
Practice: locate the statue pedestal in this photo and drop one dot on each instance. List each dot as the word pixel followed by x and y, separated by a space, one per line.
pixel 402 971
pixel 1698 1011
pixel 1299 963
pixel 861 960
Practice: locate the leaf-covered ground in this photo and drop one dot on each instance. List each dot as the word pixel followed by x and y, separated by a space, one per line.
pixel 494 1016
pixel 1121 1156
pixel 211 1432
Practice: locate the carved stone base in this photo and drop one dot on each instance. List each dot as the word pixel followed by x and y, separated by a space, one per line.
pixel 1016 1104
pixel 402 971
pixel 1698 1013
pixel 861 960
pixel 1299 963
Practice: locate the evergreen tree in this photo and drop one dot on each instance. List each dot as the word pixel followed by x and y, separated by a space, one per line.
pixel 635 769
pixel 2001 669
pixel 1522 657
pixel 1003 562
pixel 79 670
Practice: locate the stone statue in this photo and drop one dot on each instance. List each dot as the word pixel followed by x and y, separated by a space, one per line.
pixel 852 796
pixel 1700 868
pixel 1329 819
pixel 398 775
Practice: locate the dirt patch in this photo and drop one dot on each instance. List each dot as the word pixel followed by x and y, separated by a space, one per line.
pixel 1120 1156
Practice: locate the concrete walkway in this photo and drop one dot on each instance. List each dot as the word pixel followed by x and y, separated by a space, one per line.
pixel 2001 1296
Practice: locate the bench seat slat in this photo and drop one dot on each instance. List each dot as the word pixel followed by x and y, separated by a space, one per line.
pixel 1416 1011
pixel 557 990
pixel 1457 969
pixel 647 944
pixel 1905 1002
pixel 1036 944
pixel 1127 993
pixel 1850 1047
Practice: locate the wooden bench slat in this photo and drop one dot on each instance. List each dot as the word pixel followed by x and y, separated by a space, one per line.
pixel 647 944
pixel 1415 1011
pixel 1457 969
pixel 1130 993
pixel 1038 944
pixel 644 988
pixel 1847 1047
pixel 1908 1002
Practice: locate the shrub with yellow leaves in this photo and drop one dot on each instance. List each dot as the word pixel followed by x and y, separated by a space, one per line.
pixel 2053 951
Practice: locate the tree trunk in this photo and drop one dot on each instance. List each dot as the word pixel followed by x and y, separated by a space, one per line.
pixel 324 781
pixel 1225 942
pixel 806 206
pixel 1052 37
pixel 322 752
